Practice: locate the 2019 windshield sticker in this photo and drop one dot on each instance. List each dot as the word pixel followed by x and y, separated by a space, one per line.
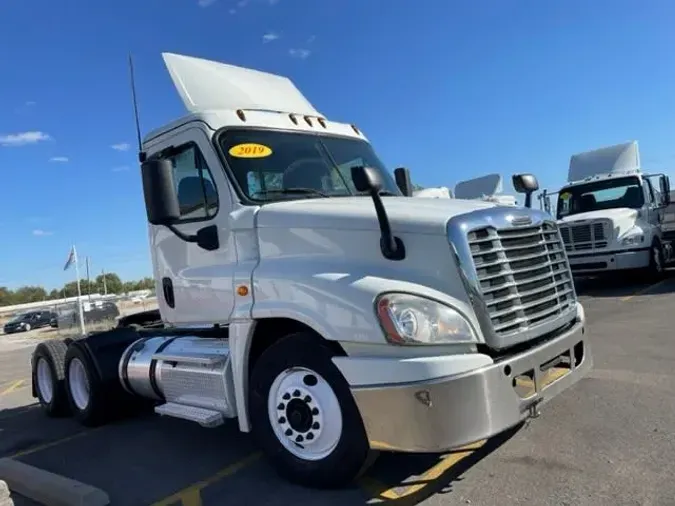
pixel 250 150
pixel 565 196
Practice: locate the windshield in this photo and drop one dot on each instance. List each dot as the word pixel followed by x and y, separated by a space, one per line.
pixel 608 194
pixel 20 318
pixel 272 165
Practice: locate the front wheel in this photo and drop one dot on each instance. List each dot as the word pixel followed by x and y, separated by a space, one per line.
pixel 656 262
pixel 304 416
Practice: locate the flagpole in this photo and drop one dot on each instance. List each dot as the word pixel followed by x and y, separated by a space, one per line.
pixel 79 293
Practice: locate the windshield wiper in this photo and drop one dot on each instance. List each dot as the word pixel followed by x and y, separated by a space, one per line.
pixel 294 191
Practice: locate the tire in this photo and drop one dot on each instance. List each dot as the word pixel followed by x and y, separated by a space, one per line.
pixel 656 270
pixel 299 369
pixel 48 377
pixel 86 393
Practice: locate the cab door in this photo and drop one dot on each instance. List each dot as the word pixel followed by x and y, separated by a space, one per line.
pixel 195 285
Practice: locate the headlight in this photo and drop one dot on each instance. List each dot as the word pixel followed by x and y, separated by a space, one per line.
pixel 409 319
pixel 633 239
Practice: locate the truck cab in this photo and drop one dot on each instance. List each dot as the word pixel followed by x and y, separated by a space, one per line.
pixel 487 188
pixel 304 292
pixel 610 214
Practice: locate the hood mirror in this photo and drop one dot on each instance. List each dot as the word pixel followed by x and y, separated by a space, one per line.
pixel 527 184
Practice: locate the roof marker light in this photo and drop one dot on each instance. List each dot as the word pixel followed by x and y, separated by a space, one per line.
pixel 241 115
pixel 322 122
pixel 355 129
pixel 308 121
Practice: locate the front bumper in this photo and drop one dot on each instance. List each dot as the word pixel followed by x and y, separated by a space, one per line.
pixel 612 261
pixel 446 413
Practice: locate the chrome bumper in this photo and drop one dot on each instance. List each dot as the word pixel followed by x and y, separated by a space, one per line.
pixel 447 413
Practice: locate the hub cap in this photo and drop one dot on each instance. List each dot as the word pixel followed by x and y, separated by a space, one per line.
pixel 79 384
pixel 305 413
pixel 44 380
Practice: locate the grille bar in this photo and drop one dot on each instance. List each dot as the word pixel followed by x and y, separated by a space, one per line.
pixel 523 275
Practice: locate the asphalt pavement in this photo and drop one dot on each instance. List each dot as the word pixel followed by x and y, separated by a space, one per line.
pixel 610 440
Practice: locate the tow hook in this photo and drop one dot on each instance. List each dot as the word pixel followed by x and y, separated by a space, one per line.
pixel 533 408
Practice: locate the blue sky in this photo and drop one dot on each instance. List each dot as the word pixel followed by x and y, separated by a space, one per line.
pixel 449 89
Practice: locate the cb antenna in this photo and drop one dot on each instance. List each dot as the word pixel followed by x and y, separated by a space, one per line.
pixel 141 154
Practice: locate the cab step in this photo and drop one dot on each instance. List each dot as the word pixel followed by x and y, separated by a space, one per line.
pixel 202 416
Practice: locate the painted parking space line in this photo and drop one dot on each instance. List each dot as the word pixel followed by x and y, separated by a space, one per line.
pixel 51 444
pixel 400 491
pixel 644 291
pixel 191 495
pixel 15 385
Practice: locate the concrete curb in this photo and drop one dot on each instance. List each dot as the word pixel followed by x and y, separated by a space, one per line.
pixel 48 488
pixel 5 498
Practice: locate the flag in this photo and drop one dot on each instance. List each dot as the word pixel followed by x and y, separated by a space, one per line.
pixel 72 258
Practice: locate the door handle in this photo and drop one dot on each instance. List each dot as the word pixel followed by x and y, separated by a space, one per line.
pixel 167 290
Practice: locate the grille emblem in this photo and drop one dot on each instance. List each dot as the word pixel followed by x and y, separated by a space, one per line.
pixel 521 220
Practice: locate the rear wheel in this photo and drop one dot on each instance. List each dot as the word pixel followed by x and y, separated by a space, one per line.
pixel 49 377
pixel 86 395
pixel 304 416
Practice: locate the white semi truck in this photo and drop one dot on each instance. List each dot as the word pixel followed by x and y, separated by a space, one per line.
pixel 302 291
pixel 487 188
pixel 611 214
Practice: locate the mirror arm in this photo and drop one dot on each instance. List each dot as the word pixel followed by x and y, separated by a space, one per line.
pixel 181 235
pixel 392 247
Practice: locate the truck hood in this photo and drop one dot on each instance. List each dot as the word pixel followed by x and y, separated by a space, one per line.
pixel 407 215
pixel 622 214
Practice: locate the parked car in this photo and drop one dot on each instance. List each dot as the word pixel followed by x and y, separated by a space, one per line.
pixel 28 321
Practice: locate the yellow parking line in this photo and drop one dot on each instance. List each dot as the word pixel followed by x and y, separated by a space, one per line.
pixel 51 444
pixel 431 474
pixel 12 387
pixel 191 495
pixel 643 291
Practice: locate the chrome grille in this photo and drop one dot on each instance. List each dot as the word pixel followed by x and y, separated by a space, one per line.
pixel 585 236
pixel 523 275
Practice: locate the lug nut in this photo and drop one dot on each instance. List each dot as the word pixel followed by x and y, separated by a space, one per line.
pixel 288 432
pixel 310 436
pixel 315 411
pixel 286 396
pixel 307 399
pixel 299 439
pixel 281 405
pixel 282 420
pixel 315 426
pixel 296 393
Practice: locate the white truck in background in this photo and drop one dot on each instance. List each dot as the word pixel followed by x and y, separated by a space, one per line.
pixel 302 291
pixel 487 188
pixel 610 213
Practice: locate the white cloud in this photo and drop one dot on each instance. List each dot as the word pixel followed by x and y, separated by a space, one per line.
pixel 121 168
pixel 242 3
pixel 122 146
pixel 273 2
pixel 299 53
pixel 270 37
pixel 233 11
pixel 311 39
pixel 30 103
pixel 205 3
pixel 38 232
pixel 60 159
pixel 23 138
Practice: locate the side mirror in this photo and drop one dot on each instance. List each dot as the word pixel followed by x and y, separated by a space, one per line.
pixel 159 191
pixel 527 184
pixel 664 183
pixel 366 179
pixel 402 176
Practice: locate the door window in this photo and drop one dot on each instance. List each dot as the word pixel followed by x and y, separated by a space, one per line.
pixel 197 195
